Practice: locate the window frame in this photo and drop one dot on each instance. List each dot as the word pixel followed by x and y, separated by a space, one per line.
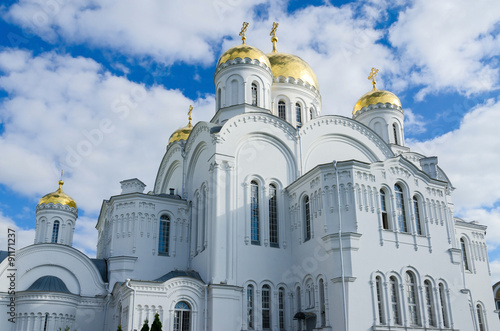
pixel 281 308
pixel 395 300
pixel 400 209
pixel 266 305
pixel 384 213
pixel 298 114
pixel 273 216
pixel 412 299
pixel 282 109
pixel 429 304
pixel 164 235
pixel 464 244
pixel 379 292
pixel 55 231
pixel 254 94
pixel 254 212
pixel 250 307
pixel 417 214
pixel 307 217
pixel 443 305
pixel 481 320
pixel 180 317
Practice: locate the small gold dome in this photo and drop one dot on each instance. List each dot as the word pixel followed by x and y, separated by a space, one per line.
pixel 288 65
pixel 374 97
pixel 181 134
pixel 58 197
pixel 243 51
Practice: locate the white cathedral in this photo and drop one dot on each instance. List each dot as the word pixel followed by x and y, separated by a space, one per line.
pixel 269 217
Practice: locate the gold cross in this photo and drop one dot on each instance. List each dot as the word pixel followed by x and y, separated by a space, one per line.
pixel 242 32
pixel 61 174
pixel 373 74
pixel 274 39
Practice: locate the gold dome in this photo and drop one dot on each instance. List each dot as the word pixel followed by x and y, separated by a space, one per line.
pixel 243 51
pixel 288 65
pixel 58 197
pixel 181 134
pixel 374 97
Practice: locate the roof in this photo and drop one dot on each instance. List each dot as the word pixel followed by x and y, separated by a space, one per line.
pixel 49 284
pixel 179 273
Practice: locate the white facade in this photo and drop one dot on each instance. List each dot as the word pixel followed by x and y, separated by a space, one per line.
pixel 258 222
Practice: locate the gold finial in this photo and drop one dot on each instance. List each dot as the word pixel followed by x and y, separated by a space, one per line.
pixel 189 114
pixel 274 39
pixel 242 32
pixel 61 183
pixel 373 74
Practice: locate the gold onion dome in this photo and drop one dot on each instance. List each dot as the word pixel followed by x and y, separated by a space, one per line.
pixel 376 96
pixel 182 133
pixel 58 197
pixel 288 65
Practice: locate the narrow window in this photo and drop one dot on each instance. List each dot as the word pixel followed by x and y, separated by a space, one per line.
pixel 464 254
pixel 380 300
pixel 311 112
pixel 182 317
pixel 254 94
pixel 416 209
pixel 310 295
pixel 480 318
pixel 298 111
pixel 219 99
pixel 395 300
pixel 234 92
pixel 442 299
pixel 45 322
pixel 429 303
pixel 395 130
pixel 383 210
pixel 254 212
pixel 282 110
pixel 322 308
pixel 164 235
pixel 400 207
pixel 411 289
pixel 55 232
pixel 273 216
pixel 281 308
pixel 307 219
pixel 299 308
pixel 266 307
pixel 250 302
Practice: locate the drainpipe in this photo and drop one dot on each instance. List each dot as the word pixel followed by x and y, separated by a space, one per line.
pixel 190 228
pixel 127 284
pixel 465 290
pixel 342 277
pixel 205 313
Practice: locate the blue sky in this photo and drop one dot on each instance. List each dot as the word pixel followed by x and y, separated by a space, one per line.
pixel 67 67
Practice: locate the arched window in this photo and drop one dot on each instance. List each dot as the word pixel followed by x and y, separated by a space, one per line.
pixel 311 113
pixel 282 110
pixel 396 315
pixel 299 307
pixel 254 212
pixel 298 112
pixel 307 219
pixel 234 92
pixel 444 310
pixel 400 208
pixel 164 235
pixel 480 318
pixel 383 210
pixel 182 316
pixel 310 295
pixel 219 99
pixel 411 292
pixel 55 232
pixel 266 307
pixel 322 295
pixel 281 308
pixel 416 210
pixel 380 300
pixel 250 309
pixel 395 131
pixel 465 258
pixel 429 303
pixel 254 94
pixel 273 216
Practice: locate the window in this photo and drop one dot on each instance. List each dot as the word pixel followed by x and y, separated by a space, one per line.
pixel 416 210
pixel 254 212
pixel 254 94
pixel 273 216
pixel 164 235
pixel 182 316
pixel 310 295
pixel 219 99
pixel 400 208
pixel 298 111
pixel 383 210
pixel 429 303
pixel 299 307
pixel 307 219
pixel 55 232
pixel 266 307
pixel 234 92
pixel 395 131
pixel 380 300
pixel 411 291
pixel 395 300
pixel 250 301
pixel 311 113
pixel 282 110
pixel 322 296
pixel 281 308
pixel 480 318
pixel 442 299
pixel 463 246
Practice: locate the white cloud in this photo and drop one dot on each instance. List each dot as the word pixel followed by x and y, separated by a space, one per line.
pixel 23 237
pixel 446 44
